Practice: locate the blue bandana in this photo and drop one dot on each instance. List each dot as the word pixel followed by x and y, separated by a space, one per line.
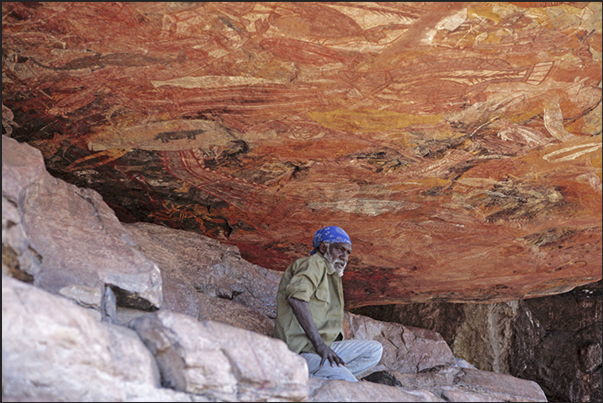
pixel 330 234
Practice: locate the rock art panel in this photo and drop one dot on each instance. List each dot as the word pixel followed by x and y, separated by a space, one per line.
pixel 444 137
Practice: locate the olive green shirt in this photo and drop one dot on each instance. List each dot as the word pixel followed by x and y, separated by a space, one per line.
pixel 310 279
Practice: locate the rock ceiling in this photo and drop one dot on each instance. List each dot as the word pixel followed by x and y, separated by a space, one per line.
pixel 459 144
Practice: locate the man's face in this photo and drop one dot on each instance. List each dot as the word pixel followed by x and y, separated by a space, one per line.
pixel 337 255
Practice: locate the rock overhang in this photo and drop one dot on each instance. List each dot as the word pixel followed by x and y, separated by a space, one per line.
pixel 457 143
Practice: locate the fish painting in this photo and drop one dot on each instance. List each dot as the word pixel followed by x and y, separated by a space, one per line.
pixel 171 135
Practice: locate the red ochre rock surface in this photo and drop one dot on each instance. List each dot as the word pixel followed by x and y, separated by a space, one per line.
pixel 459 144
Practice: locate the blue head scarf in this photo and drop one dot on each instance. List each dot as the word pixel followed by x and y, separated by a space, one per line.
pixel 330 234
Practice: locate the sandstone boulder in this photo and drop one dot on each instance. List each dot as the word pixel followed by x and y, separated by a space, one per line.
pixel 463 384
pixel 22 165
pixel 21 260
pixel 83 248
pixel 222 361
pixel 323 390
pixel 405 348
pixel 211 267
pixel 234 314
pixel 55 350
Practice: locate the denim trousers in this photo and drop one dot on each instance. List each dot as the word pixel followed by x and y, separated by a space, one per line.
pixel 358 355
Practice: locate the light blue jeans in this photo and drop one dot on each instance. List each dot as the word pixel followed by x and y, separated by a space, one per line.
pixel 358 355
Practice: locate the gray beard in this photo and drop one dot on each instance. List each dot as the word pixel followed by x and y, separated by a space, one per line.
pixel 338 265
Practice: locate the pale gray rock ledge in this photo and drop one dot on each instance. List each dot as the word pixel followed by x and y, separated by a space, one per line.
pixel 55 350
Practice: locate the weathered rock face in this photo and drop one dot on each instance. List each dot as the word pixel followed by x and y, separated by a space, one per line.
pixel 553 340
pixel 58 346
pixel 209 267
pixel 55 350
pixel 221 361
pixel 405 349
pixel 457 143
pixel 561 335
pixel 466 384
pixel 73 233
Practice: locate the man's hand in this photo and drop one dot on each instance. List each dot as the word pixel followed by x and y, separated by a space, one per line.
pixel 301 310
pixel 328 354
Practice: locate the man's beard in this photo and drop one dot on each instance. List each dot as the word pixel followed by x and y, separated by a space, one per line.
pixel 338 265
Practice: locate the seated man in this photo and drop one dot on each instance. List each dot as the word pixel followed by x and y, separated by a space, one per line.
pixel 310 311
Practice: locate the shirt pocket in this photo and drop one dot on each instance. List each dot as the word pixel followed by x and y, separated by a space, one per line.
pixel 322 293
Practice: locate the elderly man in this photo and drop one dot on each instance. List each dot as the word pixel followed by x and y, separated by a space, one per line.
pixel 310 311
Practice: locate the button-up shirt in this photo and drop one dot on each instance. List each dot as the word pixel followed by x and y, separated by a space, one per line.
pixel 310 279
